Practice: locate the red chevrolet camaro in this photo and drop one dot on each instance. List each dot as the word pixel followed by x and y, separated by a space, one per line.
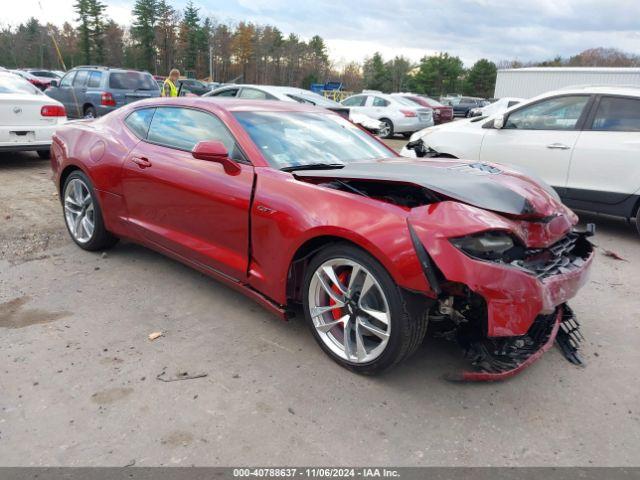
pixel 295 206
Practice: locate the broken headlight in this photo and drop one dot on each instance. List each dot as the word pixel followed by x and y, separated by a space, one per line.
pixel 486 245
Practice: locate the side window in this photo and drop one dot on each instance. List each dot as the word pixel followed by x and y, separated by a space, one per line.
pixel 357 101
pixel 94 79
pixel 617 114
pixel 81 78
pixel 183 128
pixel 380 102
pixel 231 92
pixel 139 121
pixel 560 113
pixel 67 80
pixel 511 103
pixel 253 93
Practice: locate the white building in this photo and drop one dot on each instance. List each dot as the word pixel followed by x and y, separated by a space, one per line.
pixel 529 82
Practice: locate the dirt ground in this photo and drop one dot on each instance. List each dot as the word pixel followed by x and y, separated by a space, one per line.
pixel 79 378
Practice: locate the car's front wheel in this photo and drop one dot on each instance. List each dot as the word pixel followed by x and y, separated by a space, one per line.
pixel 357 313
pixel 82 214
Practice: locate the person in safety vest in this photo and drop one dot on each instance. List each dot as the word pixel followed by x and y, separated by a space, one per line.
pixel 169 87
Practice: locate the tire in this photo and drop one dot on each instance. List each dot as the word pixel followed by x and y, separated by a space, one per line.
pixel 44 154
pixel 407 135
pixel 383 298
pixel 387 131
pixel 90 112
pixel 79 203
pixel 638 220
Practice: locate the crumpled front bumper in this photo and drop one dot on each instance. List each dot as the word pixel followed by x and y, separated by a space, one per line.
pixel 499 359
pixel 514 297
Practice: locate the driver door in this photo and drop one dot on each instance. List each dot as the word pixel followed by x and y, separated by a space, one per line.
pixel 539 137
pixel 190 207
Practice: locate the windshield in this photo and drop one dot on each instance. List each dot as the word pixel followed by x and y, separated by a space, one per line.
pixel 292 139
pixel 132 81
pixel 314 99
pixel 13 84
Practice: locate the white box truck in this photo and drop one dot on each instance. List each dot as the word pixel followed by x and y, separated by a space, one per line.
pixel 529 82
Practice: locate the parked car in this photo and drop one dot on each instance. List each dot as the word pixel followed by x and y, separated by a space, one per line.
pixel 280 199
pixel 32 79
pixel 497 106
pixel 584 141
pixel 191 85
pixel 398 115
pixel 462 105
pixel 89 92
pixel 45 76
pixel 28 118
pixel 299 95
pixel 441 113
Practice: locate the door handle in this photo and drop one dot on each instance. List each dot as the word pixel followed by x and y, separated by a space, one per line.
pixel 558 146
pixel 141 162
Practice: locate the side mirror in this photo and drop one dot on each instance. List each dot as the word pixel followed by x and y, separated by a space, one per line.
pixel 54 83
pixel 214 151
pixel 498 122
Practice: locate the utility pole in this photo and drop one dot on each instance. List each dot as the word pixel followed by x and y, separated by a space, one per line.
pixel 211 63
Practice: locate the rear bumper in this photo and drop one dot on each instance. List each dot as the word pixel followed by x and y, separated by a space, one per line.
pixel 411 124
pixel 16 138
pixel 26 147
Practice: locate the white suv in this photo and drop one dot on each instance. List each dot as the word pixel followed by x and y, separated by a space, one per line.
pixel 398 114
pixel 584 141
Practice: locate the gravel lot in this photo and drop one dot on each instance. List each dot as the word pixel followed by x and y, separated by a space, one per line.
pixel 78 381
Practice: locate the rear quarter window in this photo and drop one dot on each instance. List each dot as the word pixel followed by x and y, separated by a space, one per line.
pixel 139 121
pixel 132 81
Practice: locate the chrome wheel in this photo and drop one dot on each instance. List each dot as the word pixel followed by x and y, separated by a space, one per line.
pixel 385 130
pixel 79 210
pixel 349 310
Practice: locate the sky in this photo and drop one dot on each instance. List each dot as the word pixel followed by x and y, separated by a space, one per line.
pixel 471 29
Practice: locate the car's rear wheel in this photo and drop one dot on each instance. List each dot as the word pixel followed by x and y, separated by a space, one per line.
pixel 44 154
pixel 387 128
pixel 357 313
pixel 638 220
pixel 90 112
pixel 82 214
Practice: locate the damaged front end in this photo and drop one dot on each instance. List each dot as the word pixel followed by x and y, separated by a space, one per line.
pixel 500 254
pixel 507 321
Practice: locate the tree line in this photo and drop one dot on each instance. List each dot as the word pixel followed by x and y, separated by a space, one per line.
pixel 162 37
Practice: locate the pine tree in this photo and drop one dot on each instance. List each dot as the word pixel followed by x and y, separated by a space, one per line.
pixel 82 9
pixel 97 26
pixel 143 31
pixel 189 36
pixel 167 25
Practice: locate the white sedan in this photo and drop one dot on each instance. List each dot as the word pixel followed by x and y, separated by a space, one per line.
pixel 293 94
pixel 28 118
pixel 584 141
pixel 398 114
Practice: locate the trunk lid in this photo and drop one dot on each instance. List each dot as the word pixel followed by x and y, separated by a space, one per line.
pixel 18 110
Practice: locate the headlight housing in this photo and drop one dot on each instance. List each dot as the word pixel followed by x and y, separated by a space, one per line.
pixel 490 245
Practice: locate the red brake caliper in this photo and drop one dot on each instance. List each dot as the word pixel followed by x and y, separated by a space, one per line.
pixel 337 313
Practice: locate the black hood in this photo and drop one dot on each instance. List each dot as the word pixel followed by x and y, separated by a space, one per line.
pixel 483 185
